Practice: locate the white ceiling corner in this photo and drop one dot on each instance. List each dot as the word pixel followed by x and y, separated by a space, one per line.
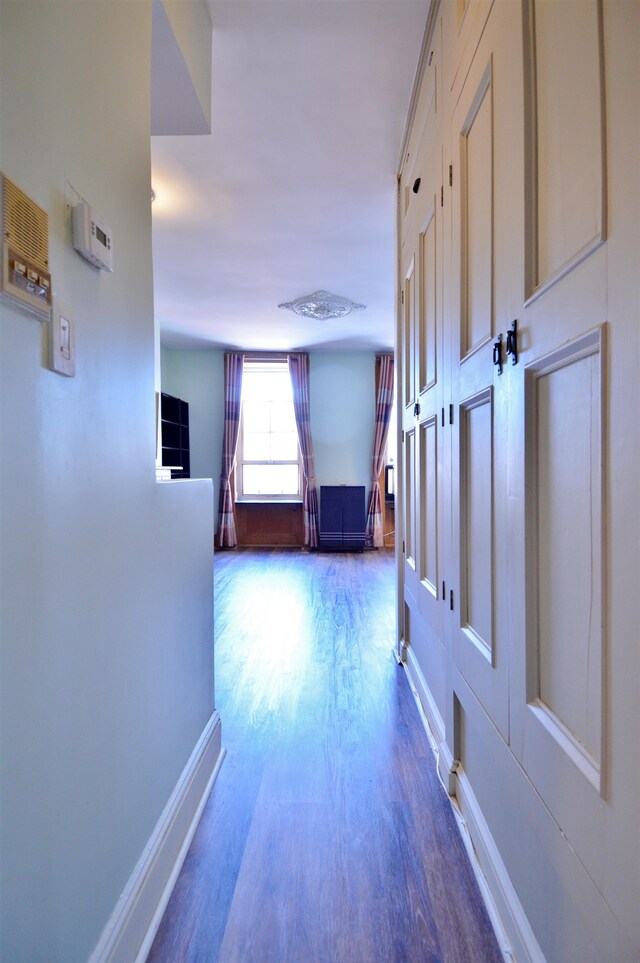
pixel 294 188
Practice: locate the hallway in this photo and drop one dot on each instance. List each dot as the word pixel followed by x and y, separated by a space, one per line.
pixel 327 836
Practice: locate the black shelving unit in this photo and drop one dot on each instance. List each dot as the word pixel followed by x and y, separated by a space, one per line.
pixel 174 414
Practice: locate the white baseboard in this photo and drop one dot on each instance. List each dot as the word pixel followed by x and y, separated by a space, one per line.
pixel 136 917
pixel 426 704
pixel 505 910
pixel 512 929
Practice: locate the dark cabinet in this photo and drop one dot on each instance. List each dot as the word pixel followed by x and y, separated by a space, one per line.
pixel 343 517
pixel 174 414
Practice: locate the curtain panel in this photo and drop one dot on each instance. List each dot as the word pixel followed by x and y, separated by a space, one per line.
pixel 233 364
pixel 299 371
pixel 384 404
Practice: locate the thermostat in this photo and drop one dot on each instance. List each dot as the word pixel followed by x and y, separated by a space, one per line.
pixel 92 238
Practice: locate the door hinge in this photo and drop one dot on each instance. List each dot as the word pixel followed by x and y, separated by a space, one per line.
pixel 442 196
pixel 451 599
pixel 402 297
pixel 450 414
pixel 443 417
pixel 416 410
pixel 430 58
pixel 450 175
pixel 444 591
pixel 403 437
pixel 403 548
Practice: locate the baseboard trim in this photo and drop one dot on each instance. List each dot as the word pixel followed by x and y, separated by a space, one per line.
pixel 133 924
pixel 426 704
pixel 432 721
pixel 513 931
pixel 500 897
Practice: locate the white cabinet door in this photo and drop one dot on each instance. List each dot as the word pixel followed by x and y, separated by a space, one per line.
pixel 424 375
pixel 487 271
pixel 561 416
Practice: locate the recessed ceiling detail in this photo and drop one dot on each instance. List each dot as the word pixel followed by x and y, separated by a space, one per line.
pixel 322 306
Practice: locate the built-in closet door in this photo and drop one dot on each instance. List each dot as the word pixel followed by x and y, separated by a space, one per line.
pixel 424 373
pixel 430 458
pixel 487 258
pixel 558 454
pixel 410 436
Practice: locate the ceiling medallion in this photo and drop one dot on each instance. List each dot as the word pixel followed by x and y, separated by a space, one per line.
pixel 321 306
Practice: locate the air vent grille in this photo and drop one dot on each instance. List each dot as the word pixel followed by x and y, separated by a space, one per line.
pixel 26 226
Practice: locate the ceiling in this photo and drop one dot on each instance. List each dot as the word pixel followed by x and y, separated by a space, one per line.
pixel 294 189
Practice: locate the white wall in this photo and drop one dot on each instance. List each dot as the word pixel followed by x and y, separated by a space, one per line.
pixel 342 390
pixel 107 655
pixel 343 406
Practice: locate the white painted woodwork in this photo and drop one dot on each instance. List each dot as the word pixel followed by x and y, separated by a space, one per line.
pixel 429 507
pixel 132 926
pixel 409 336
pixel 477 561
pixel 480 233
pixel 529 673
pixel 431 434
pixel 476 172
pixel 423 356
pixel 410 498
pixel 428 340
pixel 567 535
pixel 565 135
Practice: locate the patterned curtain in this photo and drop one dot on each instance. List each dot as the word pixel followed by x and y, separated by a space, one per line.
pixel 299 371
pixel 384 403
pixel 232 397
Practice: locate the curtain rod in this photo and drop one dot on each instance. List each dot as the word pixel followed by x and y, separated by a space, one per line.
pixel 266 356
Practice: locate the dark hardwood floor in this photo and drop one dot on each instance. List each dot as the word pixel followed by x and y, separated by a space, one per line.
pixel 327 837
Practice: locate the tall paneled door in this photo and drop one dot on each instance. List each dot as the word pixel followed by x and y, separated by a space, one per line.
pixel 518 321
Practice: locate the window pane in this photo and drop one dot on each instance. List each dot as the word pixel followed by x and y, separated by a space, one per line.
pixel 257 446
pixel 270 480
pixel 284 447
pixel 282 417
pixel 255 415
pixel 266 383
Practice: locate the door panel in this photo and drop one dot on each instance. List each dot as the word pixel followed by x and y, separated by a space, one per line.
pixel 431 489
pixel 429 335
pixel 476 172
pixel 477 562
pixel 566 609
pixel 409 336
pixel 565 136
pixel 410 550
pixel 481 239
pixel 559 713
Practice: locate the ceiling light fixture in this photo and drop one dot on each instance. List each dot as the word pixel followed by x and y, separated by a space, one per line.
pixel 322 306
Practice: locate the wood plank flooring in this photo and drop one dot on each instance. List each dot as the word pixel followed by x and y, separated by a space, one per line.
pixel 327 837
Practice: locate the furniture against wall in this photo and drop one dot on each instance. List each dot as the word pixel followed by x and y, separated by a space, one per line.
pixel 343 517
pixel 174 414
pixel 270 524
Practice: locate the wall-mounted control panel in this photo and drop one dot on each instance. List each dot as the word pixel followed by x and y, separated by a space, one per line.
pixel 92 238
pixel 25 280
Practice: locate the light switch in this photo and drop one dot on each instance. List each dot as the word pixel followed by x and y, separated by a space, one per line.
pixel 62 341
pixel 65 338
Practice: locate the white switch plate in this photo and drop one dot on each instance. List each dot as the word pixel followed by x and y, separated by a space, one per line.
pixel 62 341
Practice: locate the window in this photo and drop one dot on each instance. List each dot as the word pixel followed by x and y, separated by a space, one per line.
pixel 269 456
